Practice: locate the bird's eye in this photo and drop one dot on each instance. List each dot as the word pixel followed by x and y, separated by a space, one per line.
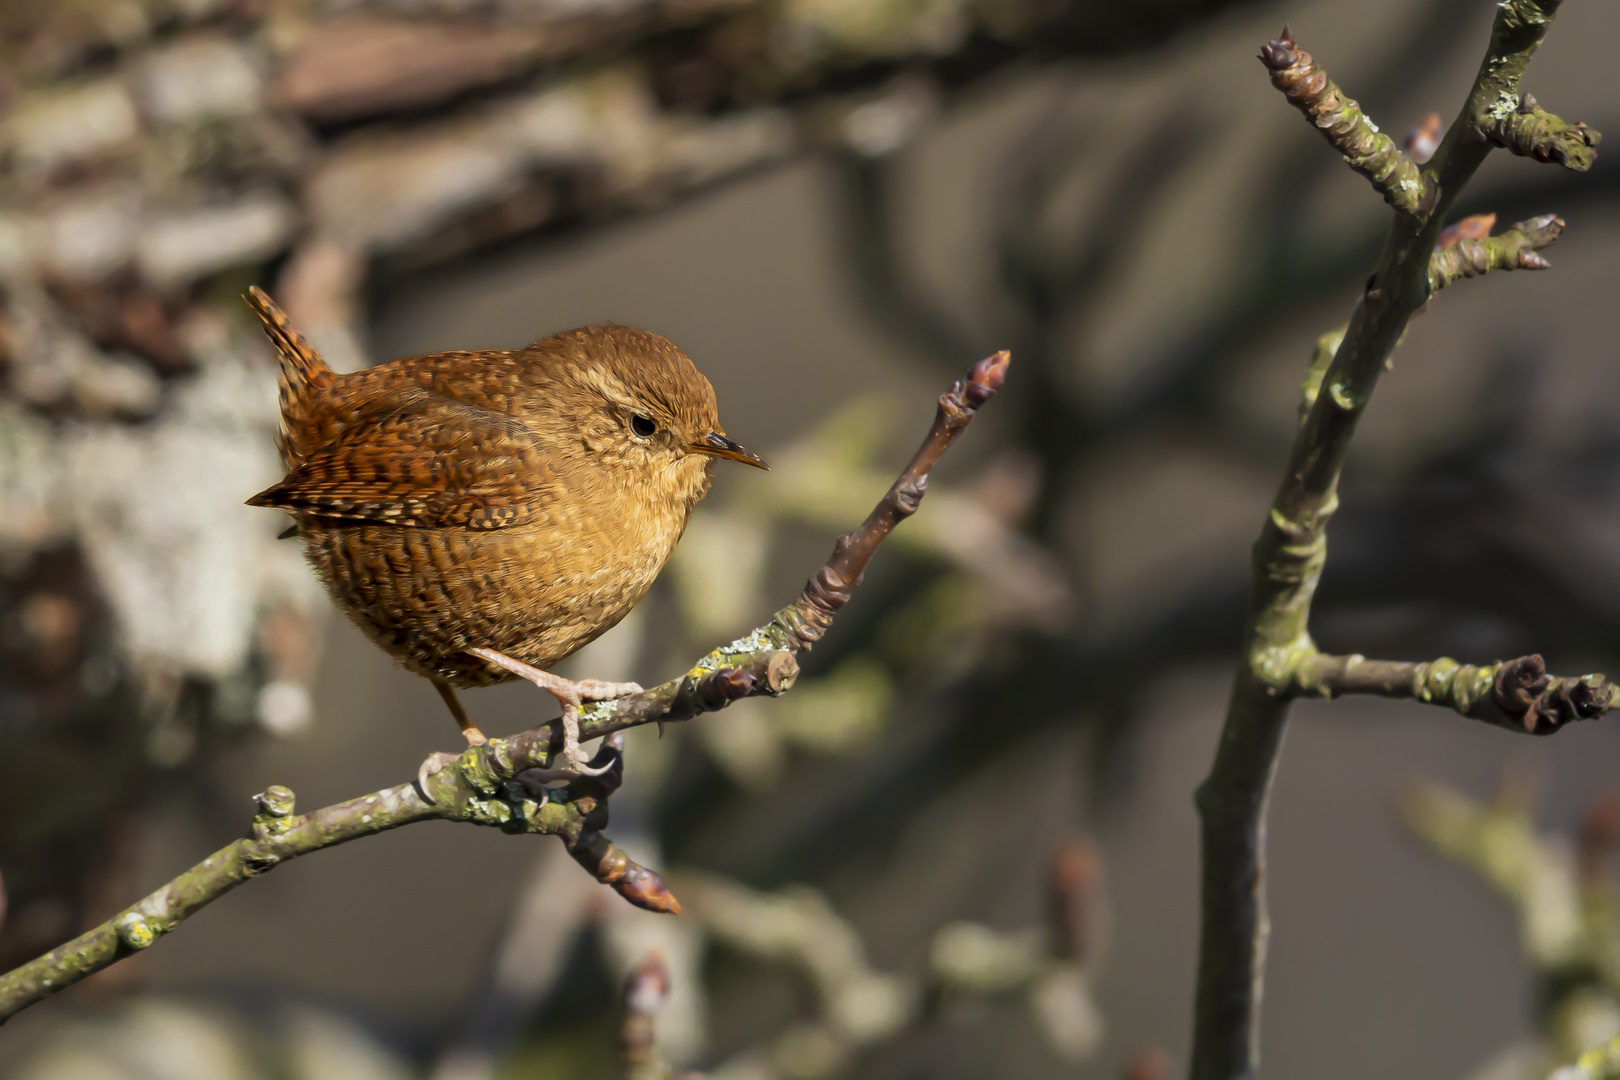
pixel 643 426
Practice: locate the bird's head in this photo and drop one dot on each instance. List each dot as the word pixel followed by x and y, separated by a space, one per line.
pixel 640 404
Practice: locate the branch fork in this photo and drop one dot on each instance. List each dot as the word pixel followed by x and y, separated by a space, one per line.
pixel 1279 659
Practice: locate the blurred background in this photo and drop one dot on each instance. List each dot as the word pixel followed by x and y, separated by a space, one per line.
pixel 965 845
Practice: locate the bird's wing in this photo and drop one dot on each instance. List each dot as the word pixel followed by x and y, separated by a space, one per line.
pixel 424 461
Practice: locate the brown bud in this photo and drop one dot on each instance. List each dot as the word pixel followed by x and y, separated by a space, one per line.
pixel 985 378
pixel 722 686
pixel 1280 55
pixel 647 985
pixel 1600 833
pixel 1149 1063
pixel 1473 227
pixel 1527 102
pixel 1424 140
pixel 645 889
pixel 1518 682
pixel 1074 881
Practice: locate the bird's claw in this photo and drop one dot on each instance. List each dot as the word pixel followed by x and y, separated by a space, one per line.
pixel 432 764
pixel 574 759
pixel 569 694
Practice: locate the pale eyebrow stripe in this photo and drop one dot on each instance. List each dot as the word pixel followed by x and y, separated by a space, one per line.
pixel 606 385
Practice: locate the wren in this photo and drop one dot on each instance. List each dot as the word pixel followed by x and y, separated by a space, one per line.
pixel 481 515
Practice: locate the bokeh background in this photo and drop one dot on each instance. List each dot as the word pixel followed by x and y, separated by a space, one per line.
pixel 965 845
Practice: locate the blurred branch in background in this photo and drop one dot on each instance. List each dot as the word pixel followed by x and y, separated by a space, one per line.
pixel 645 991
pixel 860 1008
pixel 1565 897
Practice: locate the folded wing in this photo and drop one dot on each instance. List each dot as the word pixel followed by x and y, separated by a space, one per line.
pixel 426 462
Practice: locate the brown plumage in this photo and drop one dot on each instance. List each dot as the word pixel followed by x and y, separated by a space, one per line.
pixel 517 502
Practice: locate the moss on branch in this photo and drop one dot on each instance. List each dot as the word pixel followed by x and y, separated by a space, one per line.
pixel 1528 130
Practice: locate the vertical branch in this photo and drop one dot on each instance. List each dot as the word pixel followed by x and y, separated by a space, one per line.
pixel 1292 547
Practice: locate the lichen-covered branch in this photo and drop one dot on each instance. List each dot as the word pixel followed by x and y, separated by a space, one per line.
pixel 1515 694
pixel 1528 130
pixel 1340 120
pixel 1517 249
pixel 503 782
pixel 1292 547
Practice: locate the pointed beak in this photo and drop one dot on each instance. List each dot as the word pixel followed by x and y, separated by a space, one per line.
pixel 718 445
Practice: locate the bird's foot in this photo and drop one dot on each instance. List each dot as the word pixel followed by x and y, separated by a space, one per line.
pixel 432 764
pixel 598 690
pixel 569 694
pixel 436 761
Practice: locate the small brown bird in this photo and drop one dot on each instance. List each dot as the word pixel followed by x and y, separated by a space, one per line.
pixel 482 515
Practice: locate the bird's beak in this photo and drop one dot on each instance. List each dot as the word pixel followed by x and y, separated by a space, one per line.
pixel 719 446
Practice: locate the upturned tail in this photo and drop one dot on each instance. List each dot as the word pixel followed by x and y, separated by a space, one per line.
pixel 304 375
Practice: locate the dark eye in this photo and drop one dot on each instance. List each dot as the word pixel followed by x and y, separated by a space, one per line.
pixel 643 426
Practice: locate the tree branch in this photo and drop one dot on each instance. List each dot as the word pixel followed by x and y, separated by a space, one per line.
pixel 502 783
pixel 1292 547
pixel 1516 249
pixel 1528 130
pixel 1516 694
pixel 1340 120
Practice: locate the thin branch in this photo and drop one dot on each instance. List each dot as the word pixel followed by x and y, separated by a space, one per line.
pixel 1292 547
pixel 492 784
pixel 1515 694
pixel 1340 120
pixel 1528 130
pixel 1516 249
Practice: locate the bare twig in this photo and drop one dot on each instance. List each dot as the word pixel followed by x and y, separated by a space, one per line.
pixel 1340 120
pixel 1528 130
pixel 1515 694
pixel 1516 249
pixel 859 1007
pixel 1292 548
pixel 487 785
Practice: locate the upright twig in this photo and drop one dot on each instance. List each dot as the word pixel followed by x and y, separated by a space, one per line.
pixel 645 991
pixel 502 783
pixel 1279 659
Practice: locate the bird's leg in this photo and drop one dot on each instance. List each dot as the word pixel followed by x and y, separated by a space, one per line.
pixel 569 693
pixel 463 721
pixel 437 760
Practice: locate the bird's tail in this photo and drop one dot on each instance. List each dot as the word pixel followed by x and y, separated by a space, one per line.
pixel 303 373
